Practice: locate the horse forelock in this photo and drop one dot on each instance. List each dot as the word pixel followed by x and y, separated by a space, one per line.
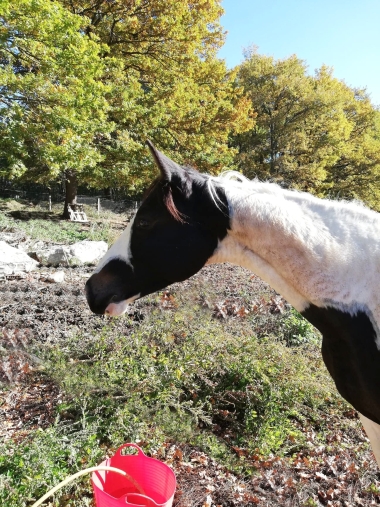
pixel 166 188
pixel 172 208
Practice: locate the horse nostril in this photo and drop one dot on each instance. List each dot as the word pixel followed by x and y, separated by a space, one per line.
pixel 107 311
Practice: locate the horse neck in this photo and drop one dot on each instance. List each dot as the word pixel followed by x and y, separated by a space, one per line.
pixel 264 216
pixel 273 234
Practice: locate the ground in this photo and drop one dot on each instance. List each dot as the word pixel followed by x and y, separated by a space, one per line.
pixel 341 472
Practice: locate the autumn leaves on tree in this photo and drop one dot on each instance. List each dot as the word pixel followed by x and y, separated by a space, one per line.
pixel 85 82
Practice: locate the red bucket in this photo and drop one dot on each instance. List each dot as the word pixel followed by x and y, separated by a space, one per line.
pixel 149 483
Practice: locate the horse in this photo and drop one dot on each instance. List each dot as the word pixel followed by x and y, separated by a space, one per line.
pixel 321 255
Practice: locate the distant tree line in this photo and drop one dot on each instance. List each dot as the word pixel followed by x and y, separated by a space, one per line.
pixel 314 133
pixel 84 83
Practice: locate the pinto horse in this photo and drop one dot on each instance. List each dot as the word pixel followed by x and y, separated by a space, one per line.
pixel 322 256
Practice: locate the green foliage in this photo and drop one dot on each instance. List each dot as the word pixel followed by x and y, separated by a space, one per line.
pixel 313 133
pixel 42 460
pixel 170 87
pixel 188 377
pixel 53 103
pixel 297 331
pixel 83 87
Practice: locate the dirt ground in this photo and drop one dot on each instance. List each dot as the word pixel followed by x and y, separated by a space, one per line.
pixel 33 308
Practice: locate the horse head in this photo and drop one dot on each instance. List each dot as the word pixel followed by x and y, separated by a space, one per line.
pixel 172 235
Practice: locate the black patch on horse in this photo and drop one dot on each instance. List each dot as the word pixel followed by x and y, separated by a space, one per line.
pixel 351 353
pixel 173 235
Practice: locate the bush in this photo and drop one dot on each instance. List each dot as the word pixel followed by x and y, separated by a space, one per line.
pixel 43 459
pixel 175 377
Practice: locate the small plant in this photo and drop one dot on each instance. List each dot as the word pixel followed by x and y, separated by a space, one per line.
pixel 374 489
pixel 298 331
pixel 310 502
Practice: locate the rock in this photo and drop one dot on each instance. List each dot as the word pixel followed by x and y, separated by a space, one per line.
pixel 78 254
pixel 13 238
pixel 57 277
pixel 14 261
pixel 52 256
pixel 30 246
pixel 88 252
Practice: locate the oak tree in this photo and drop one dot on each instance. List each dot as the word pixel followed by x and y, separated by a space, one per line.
pixel 184 99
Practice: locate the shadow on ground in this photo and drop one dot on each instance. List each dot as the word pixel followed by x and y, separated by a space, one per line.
pixel 34 215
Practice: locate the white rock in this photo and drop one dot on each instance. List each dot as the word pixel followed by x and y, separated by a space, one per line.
pixel 13 260
pixel 57 277
pixel 88 252
pixel 52 256
pixel 83 252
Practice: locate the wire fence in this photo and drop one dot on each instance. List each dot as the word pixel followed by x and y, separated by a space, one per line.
pixel 46 196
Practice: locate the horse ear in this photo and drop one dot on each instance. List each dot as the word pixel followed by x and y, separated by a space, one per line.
pixel 167 167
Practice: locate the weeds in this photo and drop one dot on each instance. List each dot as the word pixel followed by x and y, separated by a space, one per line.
pixel 298 331
pixel 192 378
pixel 43 459
pixel 175 376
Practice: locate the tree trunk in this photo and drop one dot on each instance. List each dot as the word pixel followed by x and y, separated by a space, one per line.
pixel 108 192
pixel 71 184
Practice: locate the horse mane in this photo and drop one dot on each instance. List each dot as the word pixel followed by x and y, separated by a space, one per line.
pixel 235 176
pixel 226 176
pixel 234 179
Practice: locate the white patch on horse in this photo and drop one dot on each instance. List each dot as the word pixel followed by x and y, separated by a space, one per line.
pixel 373 432
pixel 230 251
pixel 117 309
pixel 310 250
pixel 121 249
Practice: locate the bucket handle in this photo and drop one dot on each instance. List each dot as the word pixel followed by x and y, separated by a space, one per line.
pixel 140 451
pixel 130 478
pixel 127 497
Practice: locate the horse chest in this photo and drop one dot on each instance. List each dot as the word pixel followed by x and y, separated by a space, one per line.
pixel 350 350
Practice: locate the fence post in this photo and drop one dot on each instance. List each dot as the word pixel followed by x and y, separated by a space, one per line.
pixel 98 205
pixel 49 202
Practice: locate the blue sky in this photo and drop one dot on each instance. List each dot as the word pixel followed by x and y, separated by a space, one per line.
pixel 343 34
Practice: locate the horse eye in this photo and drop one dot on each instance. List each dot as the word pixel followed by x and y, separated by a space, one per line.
pixel 141 223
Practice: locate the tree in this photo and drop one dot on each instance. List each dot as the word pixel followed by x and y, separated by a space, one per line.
pixel 83 90
pixel 185 101
pixel 312 132
pixel 52 98
pixel 356 174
